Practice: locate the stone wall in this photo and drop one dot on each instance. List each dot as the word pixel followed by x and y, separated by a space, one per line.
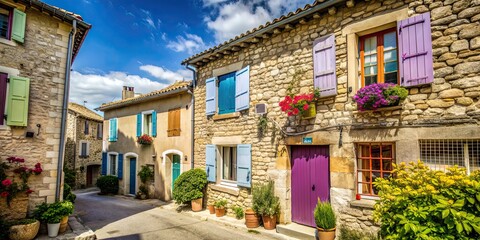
pixel 450 105
pixel 41 58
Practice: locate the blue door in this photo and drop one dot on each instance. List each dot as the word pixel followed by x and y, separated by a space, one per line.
pixel 133 175
pixel 175 168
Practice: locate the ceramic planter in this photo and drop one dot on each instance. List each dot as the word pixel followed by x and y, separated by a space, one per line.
pixel 53 229
pixel 311 112
pixel 269 222
pixel 25 231
pixel 326 234
pixel 211 208
pixel 197 205
pixel 63 224
pixel 251 219
pixel 219 212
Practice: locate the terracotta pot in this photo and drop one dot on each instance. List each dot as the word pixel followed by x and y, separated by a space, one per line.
pixel 211 208
pixel 269 222
pixel 219 212
pixel 197 205
pixel 326 234
pixel 251 219
pixel 17 210
pixel 24 232
pixel 63 224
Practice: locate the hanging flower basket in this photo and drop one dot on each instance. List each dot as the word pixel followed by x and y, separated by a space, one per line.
pixel 310 112
pixel 145 140
pixel 302 104
pixel 379 95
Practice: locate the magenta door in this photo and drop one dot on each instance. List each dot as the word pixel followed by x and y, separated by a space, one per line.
pixel 310 181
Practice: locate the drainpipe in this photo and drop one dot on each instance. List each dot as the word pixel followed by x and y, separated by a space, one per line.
pixel 192 105
pixel 61 150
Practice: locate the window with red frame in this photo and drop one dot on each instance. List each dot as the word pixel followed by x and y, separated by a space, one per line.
pixel 374 160
pixel 5 21
pixel 378 57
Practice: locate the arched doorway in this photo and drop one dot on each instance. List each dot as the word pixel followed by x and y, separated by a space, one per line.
pixel 93 172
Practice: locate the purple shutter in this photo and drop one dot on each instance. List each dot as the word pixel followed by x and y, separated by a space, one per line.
pixel 324 66
pixel 3 95
pixel 415 50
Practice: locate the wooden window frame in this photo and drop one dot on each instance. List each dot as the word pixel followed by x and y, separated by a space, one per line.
pixel 10 21
pixel 371 159
pixel 380 58
pixel 174 122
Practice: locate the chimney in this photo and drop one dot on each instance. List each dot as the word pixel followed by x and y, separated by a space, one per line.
pixel 127 92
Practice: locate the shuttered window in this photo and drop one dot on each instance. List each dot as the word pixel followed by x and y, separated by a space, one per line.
pixel 324 66
pixel 17 101
pixel 173 122
pixel 112 130
pixel 3 96
pixel 12 24
pixel 84 149
pixel 99 130
pixel 226 93
pixel 5 21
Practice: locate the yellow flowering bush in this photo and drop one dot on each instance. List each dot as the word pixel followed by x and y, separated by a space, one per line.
pixel 419 203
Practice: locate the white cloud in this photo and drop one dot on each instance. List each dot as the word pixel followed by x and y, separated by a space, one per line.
pixel 148 19
pixel 167 75
pixel 190 43
pixel 213 2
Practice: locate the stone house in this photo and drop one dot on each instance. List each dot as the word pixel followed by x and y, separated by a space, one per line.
pixel 165 116
pixel 38 43
pixel 430 47
pixel 83 149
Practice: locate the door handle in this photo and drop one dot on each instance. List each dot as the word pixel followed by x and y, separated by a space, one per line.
pixel 248 176
pixel 313 187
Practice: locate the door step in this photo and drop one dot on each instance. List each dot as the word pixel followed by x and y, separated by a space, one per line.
pixel 296 230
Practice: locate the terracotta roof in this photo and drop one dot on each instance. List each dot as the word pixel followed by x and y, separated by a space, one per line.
pixel 171 89
pixel 267 28
pixel 84 112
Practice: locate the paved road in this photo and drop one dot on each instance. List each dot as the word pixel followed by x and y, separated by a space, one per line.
pixel 123 218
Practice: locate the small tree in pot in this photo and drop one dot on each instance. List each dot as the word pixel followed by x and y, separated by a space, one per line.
pixel 266 204
pixel 189 188
pixel 325 220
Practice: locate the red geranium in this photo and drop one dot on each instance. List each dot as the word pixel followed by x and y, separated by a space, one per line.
pixel 298 104
pixel 4 194
pixel 7 182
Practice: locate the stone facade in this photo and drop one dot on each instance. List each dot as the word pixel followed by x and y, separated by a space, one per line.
pixel 449 108
pixel 83 165
pixel 42 59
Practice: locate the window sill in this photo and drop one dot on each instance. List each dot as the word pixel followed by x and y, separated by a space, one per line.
pixel 363 203
pixel 226 189
pixel 380 109
pixel 8 42
pixel 225 116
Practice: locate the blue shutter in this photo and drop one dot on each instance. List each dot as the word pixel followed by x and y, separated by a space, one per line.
pixel 120 166
pixel 139 125
pixel 211 91
pixel 104 163
pixel 211 162
pixel 242 89
pixel 111 130
pixel 154 124
pixel 244 165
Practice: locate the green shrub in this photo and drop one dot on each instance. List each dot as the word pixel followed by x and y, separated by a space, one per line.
pixel 39 210
pixel 145 174
pixel 65 207
pixel 68 194
pixel 69 176
pixel 264 201
pixel 221 203
pixel 420 203
pixel 189 185
pixel 324 215
pixel 351 234
pixel 238 212
pixel 108 184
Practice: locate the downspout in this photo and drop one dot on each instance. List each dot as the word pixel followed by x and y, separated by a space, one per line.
pixel 192 106
pixel 61 149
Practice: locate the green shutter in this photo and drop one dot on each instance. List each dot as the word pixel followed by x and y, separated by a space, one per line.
pixel 17 101
pixel 18 26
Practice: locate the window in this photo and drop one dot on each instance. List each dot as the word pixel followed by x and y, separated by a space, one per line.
pixel 86 127
pixel 378 57
pixel 84 149
pixel 440 154
pixel 99 130
pixel 374 160
pixel 226 93
pixel 147 124
pixel 173 122
pixel 229 163
pixel 112 164
pixel 3 96
pixel 5 21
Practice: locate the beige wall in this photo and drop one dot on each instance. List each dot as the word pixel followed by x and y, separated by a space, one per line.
pixel 159 153
pixel 41 58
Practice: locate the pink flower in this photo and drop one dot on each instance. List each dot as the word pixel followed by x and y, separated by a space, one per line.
pixel 4 194
pixel 7 182
pixel 295 111
pixel 305 107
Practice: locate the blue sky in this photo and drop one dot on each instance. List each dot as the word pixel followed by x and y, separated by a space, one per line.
pixel 142 43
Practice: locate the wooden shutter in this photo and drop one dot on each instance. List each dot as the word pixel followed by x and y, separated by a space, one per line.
pixel 3 96
pixel 104 163
pixel 211 92
pixel 139 125
pixel 242 89
pixel 18 26
pixel 244 165
pixel 211 162
pixel 154 124
pixel 324 66
pixel 99 130
pixel 174 122
pixel 120 166
pixel 18 94
pixel 415 50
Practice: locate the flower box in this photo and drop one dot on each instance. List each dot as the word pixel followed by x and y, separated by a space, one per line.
pixel 302 104
pixel 379 95
pixel 145 140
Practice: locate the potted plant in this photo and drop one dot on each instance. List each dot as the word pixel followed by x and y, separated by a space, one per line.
pixel 252 220
pixel 52 216
pixel 25 229
pixel 211 207
pixel 301 104
pixel 325 220
pixel 379 95
pixel 65 209
pixel 145 140
pixel 189 187
pixel 266 204
pixel 239 214
pixel 220 207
